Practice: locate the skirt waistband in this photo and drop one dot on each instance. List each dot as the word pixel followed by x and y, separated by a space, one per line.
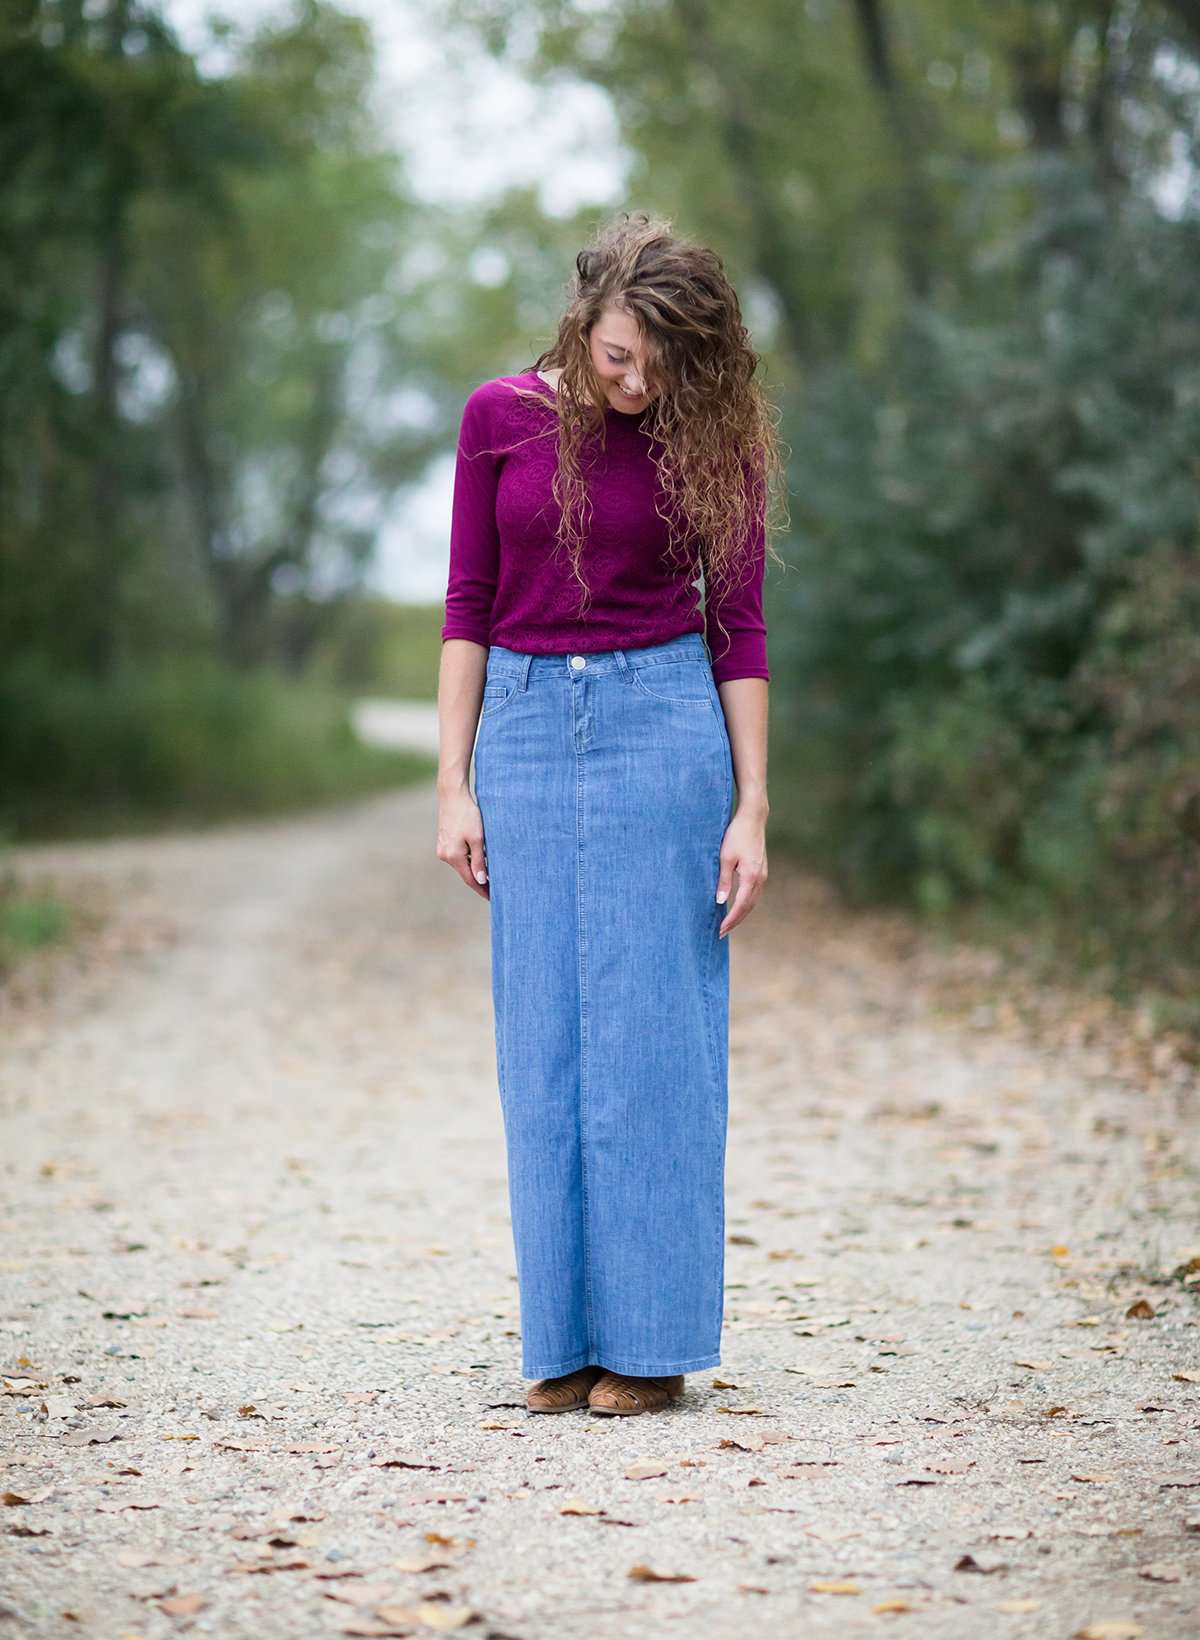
pixel 572 663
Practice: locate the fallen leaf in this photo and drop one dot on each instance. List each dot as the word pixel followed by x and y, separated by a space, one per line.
pixel 23 1386
pixel 153 1587
pixel 580 1506
pixel 388 1619
pixel 436 1560
pixel 1161 1571
pixel 822 1585
pixel 645 1468
pixel 968 1563
pixel 437 1616
pixel 135 1559
pixel 14 1497
pixel 646 1574
pixel 297 1564
pixel 182 1605
pixel 362 1594
pixel 1140 1310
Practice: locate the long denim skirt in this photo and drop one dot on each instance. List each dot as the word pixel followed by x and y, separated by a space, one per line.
pixel 605 783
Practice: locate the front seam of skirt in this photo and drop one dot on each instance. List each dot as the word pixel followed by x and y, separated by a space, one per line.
pixel 710 997
pixel 581 954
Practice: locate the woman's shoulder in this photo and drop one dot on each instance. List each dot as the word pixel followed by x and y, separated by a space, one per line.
pixel 505 406
pixel 500 391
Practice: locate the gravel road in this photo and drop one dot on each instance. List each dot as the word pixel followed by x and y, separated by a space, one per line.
pixel 259 1312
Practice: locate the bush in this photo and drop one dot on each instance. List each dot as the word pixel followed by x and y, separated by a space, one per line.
pixel 990 657
pixel 176 740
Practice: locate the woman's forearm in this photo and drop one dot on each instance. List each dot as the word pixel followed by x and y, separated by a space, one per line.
pixel 745 704
pixel 461 676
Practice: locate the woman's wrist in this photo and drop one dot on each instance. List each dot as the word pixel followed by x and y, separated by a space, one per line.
pixel 753 799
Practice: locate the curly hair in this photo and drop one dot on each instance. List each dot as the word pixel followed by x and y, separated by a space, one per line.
pixel 713 431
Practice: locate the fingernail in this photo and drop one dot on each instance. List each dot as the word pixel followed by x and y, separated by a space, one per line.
pixel 481 876
pixel 722 895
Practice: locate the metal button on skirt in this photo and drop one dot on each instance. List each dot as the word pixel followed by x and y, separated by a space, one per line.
pixel 605 783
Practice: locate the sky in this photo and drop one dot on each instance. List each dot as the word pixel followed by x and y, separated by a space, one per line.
pixel 448 100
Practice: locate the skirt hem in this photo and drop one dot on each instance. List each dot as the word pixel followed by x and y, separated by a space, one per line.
pixel 616 1363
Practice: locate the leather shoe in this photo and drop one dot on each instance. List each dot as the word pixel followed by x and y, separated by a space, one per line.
pixel 565 1394
pixel 617 1393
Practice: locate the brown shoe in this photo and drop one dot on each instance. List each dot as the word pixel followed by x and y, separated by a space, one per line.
pixel 615 1392
pixel 565 1394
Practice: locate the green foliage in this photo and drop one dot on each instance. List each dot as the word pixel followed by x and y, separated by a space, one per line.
pixel 994 648
pixel 194 332
pixel 380 647
pixel 163 740
pixel 28 921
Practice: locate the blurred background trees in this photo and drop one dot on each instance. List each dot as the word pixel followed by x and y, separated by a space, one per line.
pixel 967 237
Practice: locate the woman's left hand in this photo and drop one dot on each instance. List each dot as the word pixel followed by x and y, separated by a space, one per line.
pixel 744 850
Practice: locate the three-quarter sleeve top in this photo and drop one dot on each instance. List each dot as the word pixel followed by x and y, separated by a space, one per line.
pixel 510 581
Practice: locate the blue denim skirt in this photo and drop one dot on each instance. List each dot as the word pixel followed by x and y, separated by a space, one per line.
pixel 605 783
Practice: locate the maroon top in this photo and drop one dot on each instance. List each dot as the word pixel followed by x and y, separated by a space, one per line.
pixel 510 583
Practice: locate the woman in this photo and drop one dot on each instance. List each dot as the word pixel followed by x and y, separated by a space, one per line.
pixel 590 492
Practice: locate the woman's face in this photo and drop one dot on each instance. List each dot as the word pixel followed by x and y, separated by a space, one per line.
pixel 619 360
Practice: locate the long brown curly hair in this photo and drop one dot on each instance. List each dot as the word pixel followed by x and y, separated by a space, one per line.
pixel 715 436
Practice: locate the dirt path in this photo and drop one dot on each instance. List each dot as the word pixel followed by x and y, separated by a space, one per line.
pixel 259 1311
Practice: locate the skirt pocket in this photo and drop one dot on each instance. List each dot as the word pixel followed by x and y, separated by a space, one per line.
pixel 676 683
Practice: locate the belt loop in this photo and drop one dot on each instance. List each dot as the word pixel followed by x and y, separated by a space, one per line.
pixel 622 663
pixel 523 675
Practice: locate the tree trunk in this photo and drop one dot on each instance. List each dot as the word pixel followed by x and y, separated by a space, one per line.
pixel 776 252
pixel 110 293
pixel 917 218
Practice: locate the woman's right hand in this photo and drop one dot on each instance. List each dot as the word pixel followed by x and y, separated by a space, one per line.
pixel 460 839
